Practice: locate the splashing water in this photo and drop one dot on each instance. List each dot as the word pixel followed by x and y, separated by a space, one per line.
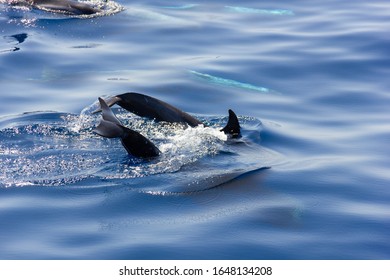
pixel 59 149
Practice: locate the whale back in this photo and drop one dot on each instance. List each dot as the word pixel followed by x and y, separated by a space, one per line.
pixel 150 107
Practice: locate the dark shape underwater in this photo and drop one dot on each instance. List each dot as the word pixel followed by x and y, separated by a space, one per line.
pixel 19 37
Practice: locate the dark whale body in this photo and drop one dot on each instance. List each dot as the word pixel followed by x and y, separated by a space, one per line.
pixel 149 107
pixel 64 6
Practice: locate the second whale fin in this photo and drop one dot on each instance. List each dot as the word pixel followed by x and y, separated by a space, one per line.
pixel 135 143
pixel 232 128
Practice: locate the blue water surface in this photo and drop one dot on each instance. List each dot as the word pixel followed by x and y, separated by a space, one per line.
pixel 308 180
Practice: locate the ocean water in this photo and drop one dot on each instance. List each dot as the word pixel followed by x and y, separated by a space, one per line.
pixel 308 180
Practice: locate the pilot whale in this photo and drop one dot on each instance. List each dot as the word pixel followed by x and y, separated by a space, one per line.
pixel 70 7
pixel 149 107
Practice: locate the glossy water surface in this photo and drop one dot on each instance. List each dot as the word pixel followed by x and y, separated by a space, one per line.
pixel 308 80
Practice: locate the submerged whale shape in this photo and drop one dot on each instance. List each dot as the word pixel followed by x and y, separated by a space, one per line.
pixel 64 6
pixel 150 107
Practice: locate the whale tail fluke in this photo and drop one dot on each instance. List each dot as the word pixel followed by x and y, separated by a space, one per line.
pixel 109 129
pixel 109 102
pixel 107 113
pixel 232 129
pixel 112 100
pixel 134 143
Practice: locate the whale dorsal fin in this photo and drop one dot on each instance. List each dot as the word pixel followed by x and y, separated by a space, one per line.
pixel 232 129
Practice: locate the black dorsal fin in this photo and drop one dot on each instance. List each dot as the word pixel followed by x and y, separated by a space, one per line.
pixel 232 129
